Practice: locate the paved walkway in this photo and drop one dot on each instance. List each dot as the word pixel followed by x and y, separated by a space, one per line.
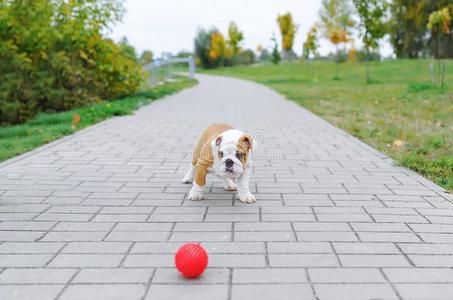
pixel 99 214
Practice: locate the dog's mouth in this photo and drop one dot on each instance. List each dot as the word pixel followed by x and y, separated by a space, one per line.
pixel 229 170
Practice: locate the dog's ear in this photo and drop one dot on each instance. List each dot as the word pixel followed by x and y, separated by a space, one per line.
pixel 246 142
pixel 218 141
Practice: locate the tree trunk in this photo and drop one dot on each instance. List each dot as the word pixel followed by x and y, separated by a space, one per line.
pixel 337 63
pixel 367 65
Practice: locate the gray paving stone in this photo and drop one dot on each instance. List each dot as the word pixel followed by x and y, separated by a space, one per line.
pixel 137 236
pixel 320 226
pixel 274 275
pixel 274 291
pixel 209 276
pixel 329 236
pixel 96 247
pixel 303 260
pixel 198 236
pixel 187 292
pixel 434 291
pixel 24 260
pixel 20 236
pixel 288 217
pixel 234 247
pixel 347 275
pixel 299 247
pixel 354 291
pixel 440 238
pixel 378 227
pixel 440 261
pixel 63 217
pixel 30 247
pixel 413 275
pixel 438 228
pixel 412 248
pixel 149 260
pixel 344 217
pixel 372 260
pixel 113 276
pixel 70 236
pixel 104 291
pixel 230 217
pixel 26 225
pixel 120 218
pixel 236 260
pixel 176 218
pixel 30 292
pixel 36 276
pixel 206 227
pixel 365 248
pixel 86 260
pixel 404 237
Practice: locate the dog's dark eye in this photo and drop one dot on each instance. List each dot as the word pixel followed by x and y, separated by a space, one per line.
pixel 240 156
pixel 220 154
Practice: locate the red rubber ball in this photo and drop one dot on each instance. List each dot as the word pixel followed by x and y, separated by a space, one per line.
pixel 191 260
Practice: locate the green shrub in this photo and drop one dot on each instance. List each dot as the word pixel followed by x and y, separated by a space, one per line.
pixel 53 57
pixel 202 46
pixel 245 57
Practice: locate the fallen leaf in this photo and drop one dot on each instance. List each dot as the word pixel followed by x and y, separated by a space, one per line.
pixel 398 143
pixel 75 121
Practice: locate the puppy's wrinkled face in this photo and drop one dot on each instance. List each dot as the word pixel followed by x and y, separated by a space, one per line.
pixel 233 155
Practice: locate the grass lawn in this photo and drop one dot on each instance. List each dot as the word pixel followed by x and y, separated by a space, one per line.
pixel 47 127
pixel 400 105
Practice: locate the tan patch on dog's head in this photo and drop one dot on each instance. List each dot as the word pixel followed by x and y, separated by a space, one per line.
pixel 243 148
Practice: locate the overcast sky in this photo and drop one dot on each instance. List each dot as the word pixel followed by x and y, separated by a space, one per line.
pixel 171 25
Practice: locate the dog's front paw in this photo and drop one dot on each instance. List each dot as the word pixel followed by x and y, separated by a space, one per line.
pixel 247 198
pixel 195 195
pixel 229 186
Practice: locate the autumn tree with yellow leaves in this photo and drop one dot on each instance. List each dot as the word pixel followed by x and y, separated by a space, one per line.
pixel 337 24
pixel 310 47
pixel 213 50
pixel 288 31
pixel 235 37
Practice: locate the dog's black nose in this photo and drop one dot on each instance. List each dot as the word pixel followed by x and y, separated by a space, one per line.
pixel 229 163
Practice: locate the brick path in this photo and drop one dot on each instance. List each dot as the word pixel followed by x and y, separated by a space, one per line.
pixel 100 213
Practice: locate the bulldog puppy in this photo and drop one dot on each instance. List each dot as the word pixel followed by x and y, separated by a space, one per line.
pixel 226 152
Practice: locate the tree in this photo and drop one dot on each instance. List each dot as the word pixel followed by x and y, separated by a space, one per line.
pixel 439 24
pixel 146 57
pixel 235 37
pixel 275 55
pixel 202 43
pixel 336 15
pixel 263 53
pixel 217 49
pixel 54 56
pixel 288 31
pixel 372 25
pixel 310 46
pixel 128 49
pixel 337 24
pixel 409 34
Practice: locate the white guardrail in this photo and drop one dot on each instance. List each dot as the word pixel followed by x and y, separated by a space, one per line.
pixel 162 69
